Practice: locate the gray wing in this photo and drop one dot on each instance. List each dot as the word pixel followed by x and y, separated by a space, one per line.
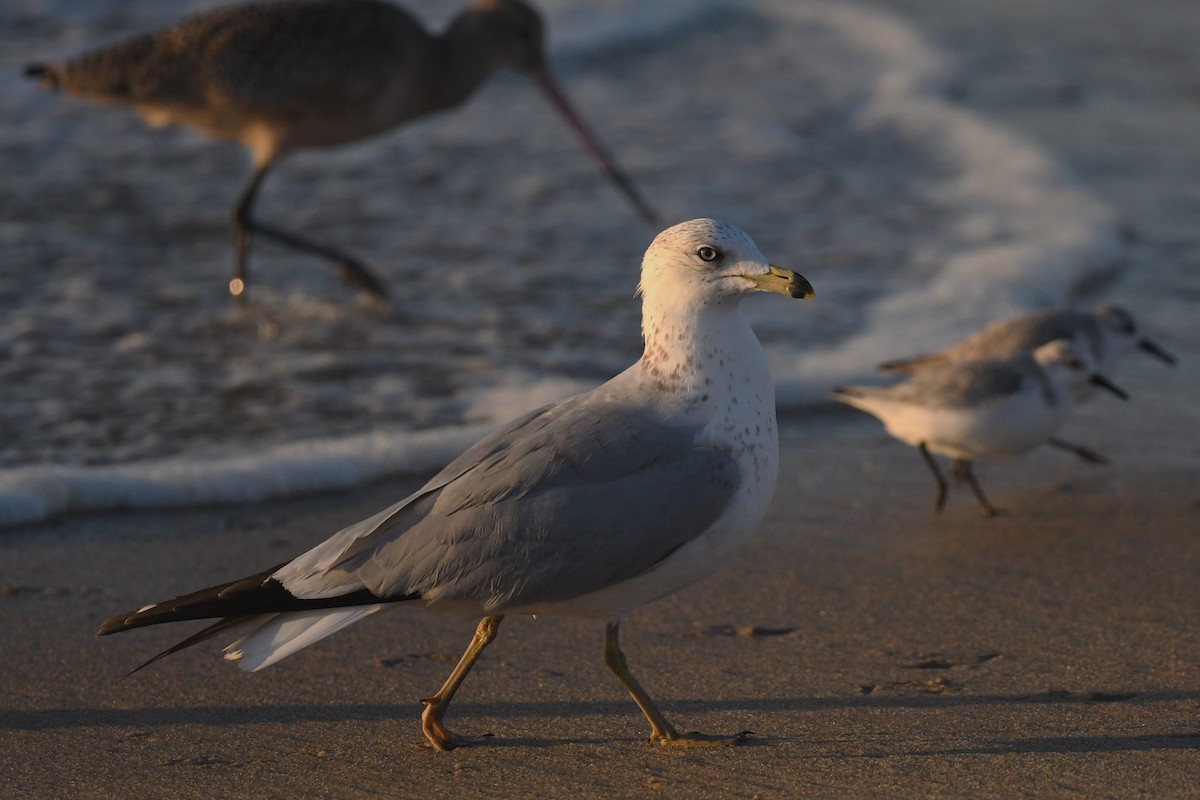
pixel 562 502
pixel 1009 337
pixel 973 383
pixel 1026 333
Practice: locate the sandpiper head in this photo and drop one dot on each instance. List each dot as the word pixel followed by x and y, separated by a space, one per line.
pixel 707 262
pixel 1066 355
pixel 1116 319
pixel 1073 365
pixel 1118 325
pixel 1122 329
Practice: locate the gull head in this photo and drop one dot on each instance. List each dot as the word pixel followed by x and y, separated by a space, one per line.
pixel 1069 364
pixel 706 262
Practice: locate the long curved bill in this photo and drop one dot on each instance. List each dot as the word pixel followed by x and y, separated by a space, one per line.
pixel 1104 383
pixel 784 281
pixel 1155 350
pixel 555 95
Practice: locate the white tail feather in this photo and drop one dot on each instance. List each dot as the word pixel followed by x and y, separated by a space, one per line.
pixel 284 634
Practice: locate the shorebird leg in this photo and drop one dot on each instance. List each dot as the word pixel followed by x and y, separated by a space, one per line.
pixel 940 502
pixel 353 272
pixel 435 707
pixel 1090 456
pixel 962 470
pixel 661 731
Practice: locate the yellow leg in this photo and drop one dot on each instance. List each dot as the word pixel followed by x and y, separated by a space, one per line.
pixel 661 731
pixel 435 707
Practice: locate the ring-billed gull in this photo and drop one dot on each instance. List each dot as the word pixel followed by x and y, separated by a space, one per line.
pixel 589 507
pixel 989 408
pixel 281 77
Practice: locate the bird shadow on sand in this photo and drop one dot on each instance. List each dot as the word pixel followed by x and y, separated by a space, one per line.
pixel 1075 744
pixel 682 711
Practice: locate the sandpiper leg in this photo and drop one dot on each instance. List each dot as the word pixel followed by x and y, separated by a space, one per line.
pixel 962 469
pixel 940 502
pixel 353 271
pixel 435 707
pixel 661 731
pixel 1085 454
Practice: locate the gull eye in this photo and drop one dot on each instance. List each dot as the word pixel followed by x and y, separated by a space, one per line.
pixel 707 253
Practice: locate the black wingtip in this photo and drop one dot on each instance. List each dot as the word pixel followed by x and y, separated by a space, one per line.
pixel 256 594
pixel 116 624
pixel 253 596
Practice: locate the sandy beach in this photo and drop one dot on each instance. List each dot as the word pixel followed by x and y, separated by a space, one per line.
pixel 873 648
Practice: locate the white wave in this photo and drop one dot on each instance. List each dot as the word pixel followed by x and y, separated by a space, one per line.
pixel 33 494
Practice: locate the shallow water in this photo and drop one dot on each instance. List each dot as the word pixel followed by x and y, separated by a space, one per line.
pixel 824 130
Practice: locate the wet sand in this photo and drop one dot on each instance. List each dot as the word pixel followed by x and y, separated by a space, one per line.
pixel 875 649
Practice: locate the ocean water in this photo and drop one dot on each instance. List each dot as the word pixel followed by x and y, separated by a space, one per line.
pixel 826 130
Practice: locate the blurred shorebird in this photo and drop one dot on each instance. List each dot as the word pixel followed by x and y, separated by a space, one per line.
pixel 988 408
pixel 1106 334
pixel 589 507
pixel 284 76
